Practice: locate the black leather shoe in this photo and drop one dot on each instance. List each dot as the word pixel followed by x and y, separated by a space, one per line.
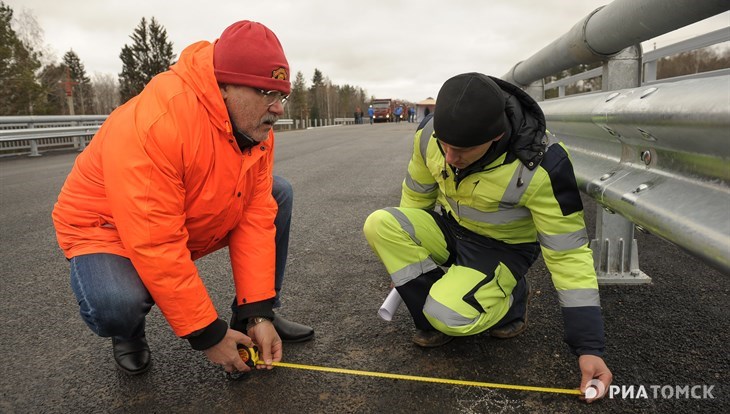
pixel 291 331
pixel 132 356
pixel 431 339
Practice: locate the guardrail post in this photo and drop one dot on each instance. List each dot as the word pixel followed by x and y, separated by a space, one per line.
pixel 650 71
pixel 615 251
pixel 34 149
pixel 536 90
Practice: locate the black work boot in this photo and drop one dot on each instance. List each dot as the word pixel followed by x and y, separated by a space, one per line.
pixel 431 339
pixel 515 321
pixel 132 356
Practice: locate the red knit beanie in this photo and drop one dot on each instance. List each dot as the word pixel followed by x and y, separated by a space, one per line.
pixel 249 54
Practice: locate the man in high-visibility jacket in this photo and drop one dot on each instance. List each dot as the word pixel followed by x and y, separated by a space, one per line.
pixel 179 171
pixel 486 191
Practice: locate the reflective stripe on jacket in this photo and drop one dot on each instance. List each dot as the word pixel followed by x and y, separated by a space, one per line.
pixel 164 182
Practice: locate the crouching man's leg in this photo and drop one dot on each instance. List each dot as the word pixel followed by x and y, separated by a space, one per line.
pixel 289 331
pixel 411 245
pixel 114 302
pixel 515 321
pixel 466 301
pixel 485 289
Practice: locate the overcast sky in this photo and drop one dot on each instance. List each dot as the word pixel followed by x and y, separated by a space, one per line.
pixel 398 48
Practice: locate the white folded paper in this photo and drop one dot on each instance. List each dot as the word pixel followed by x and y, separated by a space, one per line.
pixel 390 305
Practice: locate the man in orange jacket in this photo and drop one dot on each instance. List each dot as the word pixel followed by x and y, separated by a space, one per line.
pixel 177 172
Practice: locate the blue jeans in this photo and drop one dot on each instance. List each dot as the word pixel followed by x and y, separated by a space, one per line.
pixel 112 299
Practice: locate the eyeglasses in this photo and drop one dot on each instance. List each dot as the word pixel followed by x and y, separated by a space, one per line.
pixel 272 97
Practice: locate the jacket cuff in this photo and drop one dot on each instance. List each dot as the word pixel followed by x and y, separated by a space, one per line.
pixel 209 336
pixel 265 308
pixel 584 330
pixel 596 352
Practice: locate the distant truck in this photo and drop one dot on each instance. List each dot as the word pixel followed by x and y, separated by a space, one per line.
pixel 383 110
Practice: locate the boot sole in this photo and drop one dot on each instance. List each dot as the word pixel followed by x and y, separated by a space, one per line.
pixel 433 345
pixel 295 340
pixel 133 373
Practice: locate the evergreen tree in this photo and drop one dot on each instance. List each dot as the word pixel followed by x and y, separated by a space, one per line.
pixel 82 93
pixel 19 91
pixel 149 54
pixel 347 101
pixel 694 61
pixel 54 95
pixel 316 95
pixel 297 106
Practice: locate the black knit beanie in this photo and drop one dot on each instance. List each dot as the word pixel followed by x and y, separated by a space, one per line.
pixel 469 111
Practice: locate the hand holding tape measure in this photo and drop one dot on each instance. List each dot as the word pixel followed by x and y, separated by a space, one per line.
pixel 250 356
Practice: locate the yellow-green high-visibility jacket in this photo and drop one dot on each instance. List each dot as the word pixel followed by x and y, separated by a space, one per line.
pixel 520 196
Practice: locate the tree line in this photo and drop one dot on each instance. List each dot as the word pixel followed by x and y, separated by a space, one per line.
pixel 30 87
pixel 706 59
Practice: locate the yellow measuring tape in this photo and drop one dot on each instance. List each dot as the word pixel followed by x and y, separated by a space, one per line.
pixel 251 357
pixel 426 379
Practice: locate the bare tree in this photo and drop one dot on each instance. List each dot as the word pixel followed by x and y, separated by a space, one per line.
pixel 20 94
pixel 106 93
pixel 31 33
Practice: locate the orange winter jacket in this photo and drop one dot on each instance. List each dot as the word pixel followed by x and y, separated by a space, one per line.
pixel 164 182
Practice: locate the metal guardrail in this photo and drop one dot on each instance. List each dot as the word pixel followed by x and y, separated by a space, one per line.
pixel 46 121
pixel 14 141
pixel 51 132
pixel 650 60
pixel 32 121
pixel 344 121
pixel 657 154
pixel 610 29
pixel 31 135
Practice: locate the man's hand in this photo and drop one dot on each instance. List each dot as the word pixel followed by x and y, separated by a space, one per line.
pixel 225 352
pixel 269 344
pixel 593 368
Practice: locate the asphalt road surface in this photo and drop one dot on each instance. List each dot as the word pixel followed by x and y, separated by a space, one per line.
pixel 669 334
